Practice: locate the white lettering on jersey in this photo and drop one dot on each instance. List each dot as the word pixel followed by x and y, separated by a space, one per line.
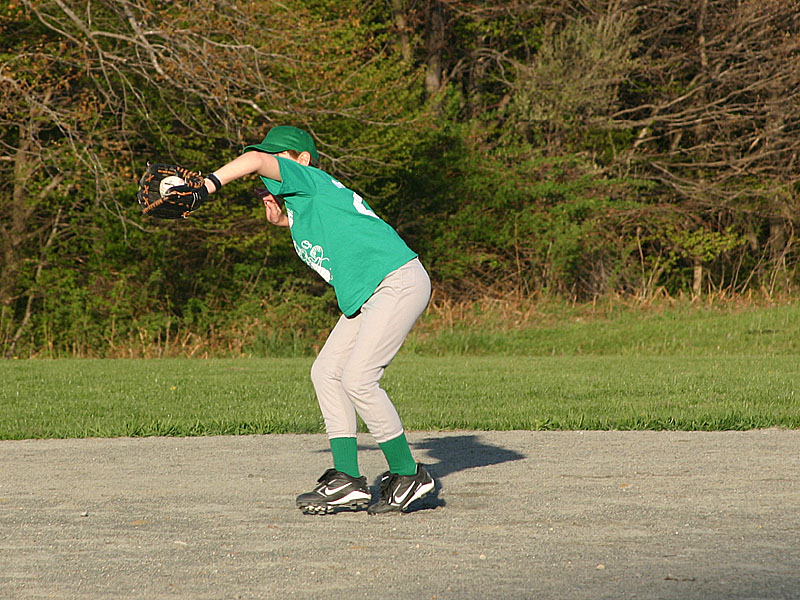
pixel 358 202
pixel 313 256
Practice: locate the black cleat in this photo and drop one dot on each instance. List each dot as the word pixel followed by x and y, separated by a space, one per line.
pixel 335 491
pixel 397 492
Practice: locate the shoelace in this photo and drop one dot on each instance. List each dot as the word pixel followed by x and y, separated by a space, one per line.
pixel 326 478
pixel 387 484
pixel 327 475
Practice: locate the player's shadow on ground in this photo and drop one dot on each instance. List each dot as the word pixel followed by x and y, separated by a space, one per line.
pixel 461 452
pixel 457 453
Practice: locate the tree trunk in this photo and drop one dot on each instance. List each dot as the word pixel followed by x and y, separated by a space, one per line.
pixel 436 44
pixel 697 277
pixel 401 24
pixel 777 242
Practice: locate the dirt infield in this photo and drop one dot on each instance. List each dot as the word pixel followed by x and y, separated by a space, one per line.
pixel 561 515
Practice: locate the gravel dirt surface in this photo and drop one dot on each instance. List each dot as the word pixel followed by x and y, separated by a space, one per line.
pixel 561 515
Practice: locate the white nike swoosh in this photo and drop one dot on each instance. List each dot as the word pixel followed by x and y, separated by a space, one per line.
pixel 400 499
pixel 329 491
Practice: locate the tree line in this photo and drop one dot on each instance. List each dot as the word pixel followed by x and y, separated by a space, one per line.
pixel 573 148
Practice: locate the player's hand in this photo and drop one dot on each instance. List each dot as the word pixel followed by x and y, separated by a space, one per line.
pixel 273 211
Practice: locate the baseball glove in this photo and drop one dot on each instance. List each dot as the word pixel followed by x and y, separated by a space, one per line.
pixel 175 198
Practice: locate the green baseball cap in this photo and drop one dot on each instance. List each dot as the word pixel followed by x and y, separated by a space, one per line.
pixel 286 137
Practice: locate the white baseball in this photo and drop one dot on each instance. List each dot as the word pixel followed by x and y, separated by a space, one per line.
pixel 169 182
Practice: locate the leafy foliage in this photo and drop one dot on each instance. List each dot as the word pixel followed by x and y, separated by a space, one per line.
pixel 570 149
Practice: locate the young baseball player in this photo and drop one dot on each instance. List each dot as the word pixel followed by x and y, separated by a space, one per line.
pixel 381 288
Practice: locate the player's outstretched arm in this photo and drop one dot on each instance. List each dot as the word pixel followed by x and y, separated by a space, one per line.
pixel 256 162
pixel 192 190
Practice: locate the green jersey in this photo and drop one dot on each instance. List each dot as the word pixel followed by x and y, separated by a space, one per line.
pixel 337 234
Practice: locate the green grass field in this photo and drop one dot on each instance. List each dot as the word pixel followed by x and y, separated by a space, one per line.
pixel 679 370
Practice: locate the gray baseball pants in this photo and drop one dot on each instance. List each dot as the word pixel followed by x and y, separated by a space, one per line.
pixel 347 371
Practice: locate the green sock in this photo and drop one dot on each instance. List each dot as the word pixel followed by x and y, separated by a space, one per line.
pixel 398 455
pixel 345 455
